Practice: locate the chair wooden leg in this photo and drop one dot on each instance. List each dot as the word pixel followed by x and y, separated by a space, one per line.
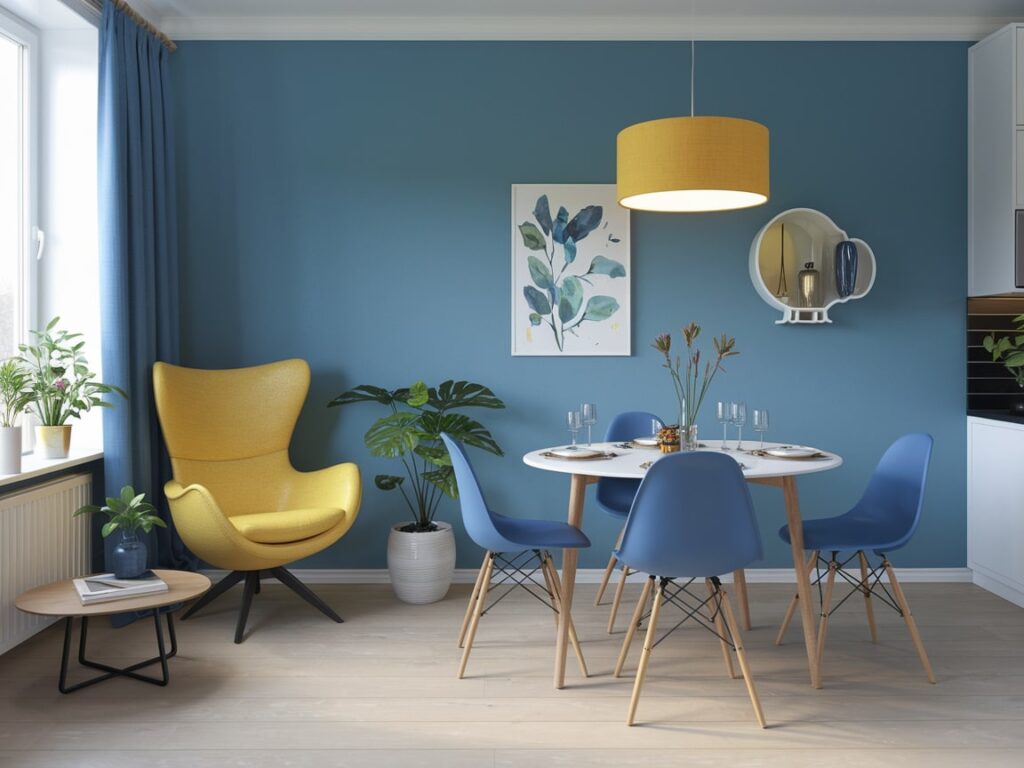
pixel 478 608
pixel 612 560
pixel 634 623
pixel 866 589
pixel 608 569
pixel 557 592
pixel 472 602
pixel 618 599
pixel 793 603
pixel 741 655
pixel 645 657
pixel 915 636
pixel 740 579
pixel 720 629
pixel 826 605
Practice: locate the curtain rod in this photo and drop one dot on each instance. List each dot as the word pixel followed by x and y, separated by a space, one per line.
pixel 94 9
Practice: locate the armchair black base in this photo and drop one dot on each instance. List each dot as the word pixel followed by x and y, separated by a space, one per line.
pixel 252 587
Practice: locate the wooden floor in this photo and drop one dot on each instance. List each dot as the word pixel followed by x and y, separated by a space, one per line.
pixel 380 690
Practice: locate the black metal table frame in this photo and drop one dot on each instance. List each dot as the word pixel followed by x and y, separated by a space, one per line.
pixel 111 672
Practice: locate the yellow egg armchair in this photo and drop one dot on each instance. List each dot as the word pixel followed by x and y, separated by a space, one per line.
pixel 236 500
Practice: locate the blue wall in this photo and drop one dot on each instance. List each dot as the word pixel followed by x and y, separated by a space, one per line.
pixel 349 203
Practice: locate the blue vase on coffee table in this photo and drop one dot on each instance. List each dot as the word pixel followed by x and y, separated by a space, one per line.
pixel 129 557
pixel 846 268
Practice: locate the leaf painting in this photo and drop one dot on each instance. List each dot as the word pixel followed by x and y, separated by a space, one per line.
pixel 568 274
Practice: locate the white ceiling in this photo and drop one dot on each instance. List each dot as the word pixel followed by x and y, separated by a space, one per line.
pixel 581 19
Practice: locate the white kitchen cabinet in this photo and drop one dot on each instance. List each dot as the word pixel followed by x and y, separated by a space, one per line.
pixel 995 506
pixel 995 93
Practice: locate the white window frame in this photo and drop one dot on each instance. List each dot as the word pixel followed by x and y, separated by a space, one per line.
pixel 28 36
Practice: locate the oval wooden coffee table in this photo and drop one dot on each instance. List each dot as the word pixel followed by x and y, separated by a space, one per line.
pixel 61 599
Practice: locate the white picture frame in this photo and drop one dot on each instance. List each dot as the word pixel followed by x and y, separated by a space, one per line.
pixel 571 271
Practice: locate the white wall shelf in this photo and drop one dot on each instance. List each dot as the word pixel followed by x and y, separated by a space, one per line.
pixel 792 239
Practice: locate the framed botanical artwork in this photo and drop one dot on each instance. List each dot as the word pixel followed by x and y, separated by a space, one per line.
pixel 570 271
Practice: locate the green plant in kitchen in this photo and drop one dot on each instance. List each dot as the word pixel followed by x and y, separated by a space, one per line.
pixel 692 384
pixel 556 296
pixel 15 390
pixel 411 432
pixel 63 387
pixel 129 513
pixel 1009 350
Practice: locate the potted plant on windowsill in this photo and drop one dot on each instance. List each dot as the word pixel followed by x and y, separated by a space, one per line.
pixel 63 387
pixel 15 397
pixel 129 514
pixel 421 553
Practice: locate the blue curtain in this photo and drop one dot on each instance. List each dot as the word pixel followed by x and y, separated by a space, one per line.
pixel 138 261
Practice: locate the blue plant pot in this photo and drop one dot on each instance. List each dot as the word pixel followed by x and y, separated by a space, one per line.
pixel 846 268
pixel 129 557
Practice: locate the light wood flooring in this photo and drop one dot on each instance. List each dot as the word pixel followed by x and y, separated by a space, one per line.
pixel 380 690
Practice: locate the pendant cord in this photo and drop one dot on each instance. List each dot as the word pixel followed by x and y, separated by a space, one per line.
pixel 693 56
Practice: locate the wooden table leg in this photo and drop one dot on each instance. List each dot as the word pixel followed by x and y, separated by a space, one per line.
pixel 803 583
pixel 577 490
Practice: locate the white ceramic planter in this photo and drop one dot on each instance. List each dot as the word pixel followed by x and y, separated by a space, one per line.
pixel 10 450
pixel 421 565
pixel 53 442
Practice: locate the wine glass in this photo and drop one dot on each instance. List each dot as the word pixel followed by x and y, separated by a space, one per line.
pixel 760 423
pixel 574 421
pixel 723 412
pixel 656 425
pixel 739 418
pixel 588 415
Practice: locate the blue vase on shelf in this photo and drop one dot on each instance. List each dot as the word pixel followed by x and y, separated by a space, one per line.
pixel 846 268
pixel 129 557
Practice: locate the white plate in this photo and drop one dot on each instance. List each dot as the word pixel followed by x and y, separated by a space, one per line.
pixel 792 452
pixel 574 453
pixel 651 441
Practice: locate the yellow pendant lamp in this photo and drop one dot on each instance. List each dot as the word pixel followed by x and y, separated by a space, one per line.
pixel 688 164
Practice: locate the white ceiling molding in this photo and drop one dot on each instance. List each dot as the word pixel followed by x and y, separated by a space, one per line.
pixel 446 27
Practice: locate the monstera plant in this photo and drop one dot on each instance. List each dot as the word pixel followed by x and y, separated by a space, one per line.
pixel 421 553
pixel 560 282
pixel 411 433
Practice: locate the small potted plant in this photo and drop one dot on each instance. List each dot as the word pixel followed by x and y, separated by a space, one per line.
pixel 421 552
pixel 128 514
pixel 692 384
pixel 15 397
pixel 63 387
pixel 1009 350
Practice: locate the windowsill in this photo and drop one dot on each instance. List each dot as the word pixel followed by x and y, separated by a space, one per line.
pixel 32 466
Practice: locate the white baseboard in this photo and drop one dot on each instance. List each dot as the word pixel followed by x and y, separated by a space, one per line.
pixel 593 576
pixel 997 587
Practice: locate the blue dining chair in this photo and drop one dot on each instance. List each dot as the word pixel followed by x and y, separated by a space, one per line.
pixel 516 549
pixel 615 496
pixel 883 521
pixel 692 519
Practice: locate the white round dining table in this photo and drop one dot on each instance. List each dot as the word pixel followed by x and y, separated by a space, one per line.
pixel 632 463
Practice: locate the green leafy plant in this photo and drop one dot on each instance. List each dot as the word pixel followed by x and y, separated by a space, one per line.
pixel 411 432
pixel 557 299
pixel 130 513
pixel 1009 350
pixel 15 390
pixel 691 386
pixel 63 387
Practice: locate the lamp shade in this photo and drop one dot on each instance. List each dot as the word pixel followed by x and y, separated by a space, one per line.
pixel 700 163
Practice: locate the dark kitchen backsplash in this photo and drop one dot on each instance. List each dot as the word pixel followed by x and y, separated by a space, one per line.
pixel 989 385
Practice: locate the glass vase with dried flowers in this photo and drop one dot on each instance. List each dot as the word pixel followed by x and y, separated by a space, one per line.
pixel 691 384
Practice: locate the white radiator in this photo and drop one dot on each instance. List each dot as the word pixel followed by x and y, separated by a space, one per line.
pixel 40 542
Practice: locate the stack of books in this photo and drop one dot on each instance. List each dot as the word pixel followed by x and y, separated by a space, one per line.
pixel 104 587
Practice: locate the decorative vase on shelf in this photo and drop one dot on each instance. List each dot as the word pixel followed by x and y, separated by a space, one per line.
pixel 53 442
pixel 10 450
pixel 809 281
pixel 846 268
pixel 129 557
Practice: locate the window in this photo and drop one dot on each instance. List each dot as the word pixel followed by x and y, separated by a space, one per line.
pixel 17 183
